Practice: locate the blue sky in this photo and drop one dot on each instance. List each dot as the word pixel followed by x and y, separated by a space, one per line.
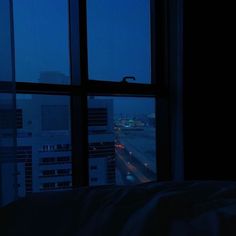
pixel 41 38
pixel 118 41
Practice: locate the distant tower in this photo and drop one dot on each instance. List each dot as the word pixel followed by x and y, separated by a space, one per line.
pixel 101 142
pixel 50 76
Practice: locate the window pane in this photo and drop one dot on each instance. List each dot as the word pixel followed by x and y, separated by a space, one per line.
pixel 119 40
pixel 41 41
pixel 5 43
pixel 43 143
pixel 122 141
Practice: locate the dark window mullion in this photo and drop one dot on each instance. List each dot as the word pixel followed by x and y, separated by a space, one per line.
pixel 79 76
pixel 158 89
pixel 118 88
pixel 50 89
pixel 92 87
pixel 159 58
pixel 79 132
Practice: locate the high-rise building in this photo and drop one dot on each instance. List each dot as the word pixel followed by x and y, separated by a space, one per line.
pixel 44 143
pixel 101 142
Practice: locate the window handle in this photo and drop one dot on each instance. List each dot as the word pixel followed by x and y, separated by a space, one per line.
pixel 124 80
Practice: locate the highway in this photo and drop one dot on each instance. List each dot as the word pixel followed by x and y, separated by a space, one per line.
pixel 132 172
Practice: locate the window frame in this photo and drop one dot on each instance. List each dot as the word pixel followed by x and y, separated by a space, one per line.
pixel 81 87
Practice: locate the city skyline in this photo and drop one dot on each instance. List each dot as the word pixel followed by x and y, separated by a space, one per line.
pixel 40 140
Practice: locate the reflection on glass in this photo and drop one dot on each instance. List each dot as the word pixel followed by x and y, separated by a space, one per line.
pixel 119 40
pixel 41 41
pixel 122 142
pixel 43 143
pixel 5 43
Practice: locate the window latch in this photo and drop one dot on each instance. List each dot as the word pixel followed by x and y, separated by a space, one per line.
pixel 124 80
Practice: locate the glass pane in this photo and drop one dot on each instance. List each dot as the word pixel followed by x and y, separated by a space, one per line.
pixel 122 141
pixel 43 143
pixel 5 43
pixel 119 40
pixel 41 41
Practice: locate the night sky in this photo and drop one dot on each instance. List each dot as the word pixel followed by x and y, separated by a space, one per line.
pixel 118 42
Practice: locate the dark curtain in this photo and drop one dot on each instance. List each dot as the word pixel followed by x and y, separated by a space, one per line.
pixel 8 177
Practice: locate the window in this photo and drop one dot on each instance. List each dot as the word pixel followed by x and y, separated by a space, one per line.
pixel 19 119
pixel 51 120
pixel 47 160
pixel 6 118
pixel 48 149
pixel 62 185
pixel 123 147
pixel 64 172
pixel 92 167
pixel 97 116
pixel 48 186
pixel 48 173
pixel 24 169
pixel 119 40
pixel 64 159
pixel 114 139
pixel 94 179
pixel 92 92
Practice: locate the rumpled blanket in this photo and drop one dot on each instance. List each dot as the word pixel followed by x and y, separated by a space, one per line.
pixel 204 208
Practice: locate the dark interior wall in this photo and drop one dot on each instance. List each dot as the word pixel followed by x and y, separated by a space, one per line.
pixel 208 95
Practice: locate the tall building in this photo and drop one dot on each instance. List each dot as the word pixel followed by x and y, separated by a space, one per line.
pixel 101 142
pixel 44 143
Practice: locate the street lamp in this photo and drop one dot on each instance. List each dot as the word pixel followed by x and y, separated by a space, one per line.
pixel 146 166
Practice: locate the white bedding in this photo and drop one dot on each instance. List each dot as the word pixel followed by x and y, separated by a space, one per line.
pixel 167 208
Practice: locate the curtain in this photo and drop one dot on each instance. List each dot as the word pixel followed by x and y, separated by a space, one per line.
pixel 8 174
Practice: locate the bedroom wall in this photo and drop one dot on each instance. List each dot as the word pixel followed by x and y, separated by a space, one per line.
pixel 208 91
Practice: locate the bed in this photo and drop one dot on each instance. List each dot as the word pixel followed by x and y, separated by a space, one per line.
pixel 165 208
